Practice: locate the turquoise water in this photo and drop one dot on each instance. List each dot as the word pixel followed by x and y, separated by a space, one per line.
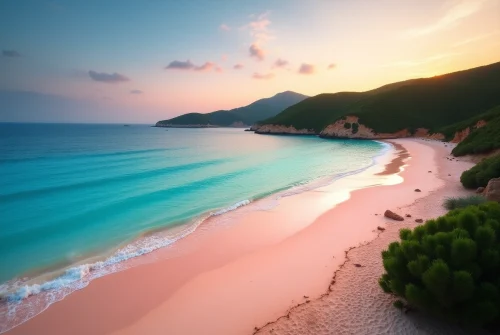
pixel 69 191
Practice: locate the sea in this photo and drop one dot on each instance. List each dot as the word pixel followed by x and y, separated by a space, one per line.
pixel 72 192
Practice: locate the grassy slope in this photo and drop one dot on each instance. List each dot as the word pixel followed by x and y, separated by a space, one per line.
pixel 484 139
pixel 429 102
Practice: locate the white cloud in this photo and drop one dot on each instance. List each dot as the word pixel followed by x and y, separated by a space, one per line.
pixel 463 9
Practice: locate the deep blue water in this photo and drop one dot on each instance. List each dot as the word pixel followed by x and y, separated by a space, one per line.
pixel 70 190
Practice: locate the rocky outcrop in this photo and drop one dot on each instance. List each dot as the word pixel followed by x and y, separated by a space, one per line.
pixel 424 133
pixel 391 215
pixel 462 134
pixel 281 130
pixel 492 190
pixel 349 127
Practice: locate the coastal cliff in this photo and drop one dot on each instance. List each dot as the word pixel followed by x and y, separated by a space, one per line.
pixel 350 127
pixel 462 134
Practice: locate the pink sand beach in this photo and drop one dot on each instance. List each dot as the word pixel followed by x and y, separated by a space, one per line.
pixel 307 266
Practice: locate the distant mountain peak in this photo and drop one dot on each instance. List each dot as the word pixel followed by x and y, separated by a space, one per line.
pixel 242 116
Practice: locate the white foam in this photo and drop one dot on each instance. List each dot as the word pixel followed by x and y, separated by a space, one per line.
pixel 16 311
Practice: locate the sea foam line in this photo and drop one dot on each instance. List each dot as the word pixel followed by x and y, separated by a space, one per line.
pixel 14 311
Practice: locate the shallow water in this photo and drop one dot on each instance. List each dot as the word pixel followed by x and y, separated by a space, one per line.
pixel 70 191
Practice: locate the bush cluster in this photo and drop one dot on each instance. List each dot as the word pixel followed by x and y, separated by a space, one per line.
pixel 355 127
pixel 450 266
pixel 347 125
pixel 480 174
pixel 462 202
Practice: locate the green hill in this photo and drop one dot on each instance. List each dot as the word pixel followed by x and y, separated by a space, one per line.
pixel 431 103
pixel 484 139
pixel 248 115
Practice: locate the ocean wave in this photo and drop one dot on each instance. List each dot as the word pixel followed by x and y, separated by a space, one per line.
pixel 86 156
pixel 120 178
pixel 15 311
pixel 12 309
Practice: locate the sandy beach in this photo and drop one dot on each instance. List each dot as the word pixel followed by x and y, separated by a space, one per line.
pixel 293 263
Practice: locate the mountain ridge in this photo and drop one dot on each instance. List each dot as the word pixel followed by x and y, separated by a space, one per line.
pixel 412 107
pixel 237 117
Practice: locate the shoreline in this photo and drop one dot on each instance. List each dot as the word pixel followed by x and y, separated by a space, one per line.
pixel 86 266
pixel 345 304
pixel 41 275
pixel 248 277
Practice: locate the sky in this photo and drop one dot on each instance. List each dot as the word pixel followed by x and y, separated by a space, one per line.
pixel 144 61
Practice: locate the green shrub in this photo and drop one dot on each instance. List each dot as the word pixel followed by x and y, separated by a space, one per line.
pixel 347 125
pixel 449 267
pixel 355 127
pixel 480 174
pixel 461 202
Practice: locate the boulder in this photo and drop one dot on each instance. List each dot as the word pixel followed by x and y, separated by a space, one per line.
pixel 417 190
pixel 408 215
pixel 380 228
pixel 492 190
pixel 419 220
pixel 391 215
pixel 480 190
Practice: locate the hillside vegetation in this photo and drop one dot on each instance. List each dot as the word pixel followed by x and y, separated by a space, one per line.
pixel 484 139
pixel 248 115
pixel 431 103
pixel 450 130
pixel 315 113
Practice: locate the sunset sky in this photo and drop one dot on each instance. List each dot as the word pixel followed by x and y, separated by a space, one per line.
pixel 142 61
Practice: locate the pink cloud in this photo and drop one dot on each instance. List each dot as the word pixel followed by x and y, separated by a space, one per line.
pixel 218 69
pixel 256 52
pixel 306 69
pixel 259 28
pixel 265 76
pixel 238 66
pixel 224 27
pixel 205 67
pixel 332 66
pixel 280 63
pixel 223 57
